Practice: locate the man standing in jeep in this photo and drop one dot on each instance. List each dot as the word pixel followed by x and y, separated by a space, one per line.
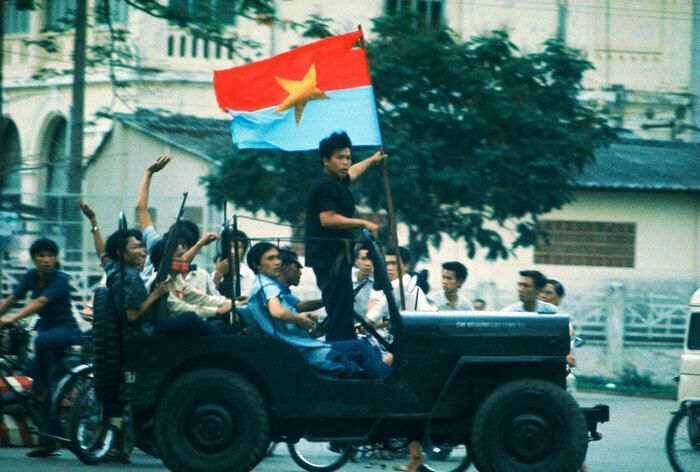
pixel 330 207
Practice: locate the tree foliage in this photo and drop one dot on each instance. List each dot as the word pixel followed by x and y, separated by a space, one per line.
pixel 482 139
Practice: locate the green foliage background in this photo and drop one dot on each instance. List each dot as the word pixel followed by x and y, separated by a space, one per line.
pixel 482 139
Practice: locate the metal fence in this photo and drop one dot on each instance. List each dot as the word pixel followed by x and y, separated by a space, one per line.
pixel 625 310
pixel 83 282
pixel 646 317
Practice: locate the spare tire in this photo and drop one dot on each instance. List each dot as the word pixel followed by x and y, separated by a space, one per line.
pixel 529 425
pixel 107 346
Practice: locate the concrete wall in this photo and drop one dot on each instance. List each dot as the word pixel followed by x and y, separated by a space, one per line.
pixel 667 245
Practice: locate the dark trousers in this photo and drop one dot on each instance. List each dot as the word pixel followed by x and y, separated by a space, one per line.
pixel 187 324
pixel 336 290
pixel 49 346
pixel 362 353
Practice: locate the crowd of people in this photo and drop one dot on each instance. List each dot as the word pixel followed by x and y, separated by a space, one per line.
pixel 189 301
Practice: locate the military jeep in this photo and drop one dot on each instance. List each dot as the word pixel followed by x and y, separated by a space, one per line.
pixel 494 382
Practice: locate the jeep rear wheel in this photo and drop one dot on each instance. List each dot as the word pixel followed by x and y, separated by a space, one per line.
pixel 212 420
pixel 527 426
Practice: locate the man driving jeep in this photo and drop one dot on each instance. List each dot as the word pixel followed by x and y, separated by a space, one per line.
pixel 277 318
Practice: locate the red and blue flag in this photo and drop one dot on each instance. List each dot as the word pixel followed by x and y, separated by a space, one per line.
pixel 293 100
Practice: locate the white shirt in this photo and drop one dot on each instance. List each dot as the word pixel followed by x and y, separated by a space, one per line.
pixel 362 297
pixel 247 279
pixel 440 300
pixel 541 307
pixel 202 281
pixel 415 300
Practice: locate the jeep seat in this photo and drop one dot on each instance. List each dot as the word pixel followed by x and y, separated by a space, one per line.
pixel 247 317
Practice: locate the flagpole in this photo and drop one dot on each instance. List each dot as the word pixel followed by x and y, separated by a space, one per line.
pixel 390 206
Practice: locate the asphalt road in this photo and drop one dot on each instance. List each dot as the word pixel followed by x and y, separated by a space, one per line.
pixel 632 442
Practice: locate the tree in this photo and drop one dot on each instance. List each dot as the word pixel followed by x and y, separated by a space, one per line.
pixel 482 139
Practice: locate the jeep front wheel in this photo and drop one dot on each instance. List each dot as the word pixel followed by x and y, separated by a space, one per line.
pixel 528 426
pixel 212 420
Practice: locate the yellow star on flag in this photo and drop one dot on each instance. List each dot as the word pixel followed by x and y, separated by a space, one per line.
pixel 301 92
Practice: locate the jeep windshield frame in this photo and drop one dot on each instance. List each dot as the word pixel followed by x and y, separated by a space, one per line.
pixel 382 282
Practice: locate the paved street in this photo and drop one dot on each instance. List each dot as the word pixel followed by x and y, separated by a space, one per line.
pixel 632 442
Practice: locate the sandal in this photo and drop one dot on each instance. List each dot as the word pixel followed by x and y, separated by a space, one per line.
pixel 47 450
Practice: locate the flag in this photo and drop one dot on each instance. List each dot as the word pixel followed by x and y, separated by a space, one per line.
pixel 293 100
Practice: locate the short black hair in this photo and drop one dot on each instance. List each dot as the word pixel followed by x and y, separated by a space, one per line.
pixel 255 254
pixel 403 251
pixel 558 287
pixel 458 268
pixel 537 277
pixel 158 250
pixel 43 245
pixel 480 300
pixel 239 235
pixel 358 248
pixel 184 236
pixel 330 144
pixel 193 229
pixel 116 242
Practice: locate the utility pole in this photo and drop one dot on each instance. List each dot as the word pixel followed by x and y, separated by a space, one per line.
pixel 561 20
pixel 77 119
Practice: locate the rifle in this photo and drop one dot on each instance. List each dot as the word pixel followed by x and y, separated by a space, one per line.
pixel 230 285
pixel 381 280
pixel 167 261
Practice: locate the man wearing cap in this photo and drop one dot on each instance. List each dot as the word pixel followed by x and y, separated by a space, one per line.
pixel 290 276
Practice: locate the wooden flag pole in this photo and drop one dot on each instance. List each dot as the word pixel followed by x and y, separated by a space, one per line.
pixel 390 206
pixel 392 227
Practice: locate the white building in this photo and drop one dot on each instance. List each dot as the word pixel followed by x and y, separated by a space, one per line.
pixel 636 217
pixel 641 50
pixel 644 74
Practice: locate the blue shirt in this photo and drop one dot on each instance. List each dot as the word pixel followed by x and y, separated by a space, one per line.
pixel 287 297
pixel 319 354
pixel 150 238
pixel 57 312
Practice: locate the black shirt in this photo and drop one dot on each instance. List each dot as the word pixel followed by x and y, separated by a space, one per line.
pixel 327 193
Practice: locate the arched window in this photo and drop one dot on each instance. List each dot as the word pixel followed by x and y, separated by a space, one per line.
pixel 57 167
pixel 10 164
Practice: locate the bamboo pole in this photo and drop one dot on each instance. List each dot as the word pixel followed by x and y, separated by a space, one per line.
pixel 390 207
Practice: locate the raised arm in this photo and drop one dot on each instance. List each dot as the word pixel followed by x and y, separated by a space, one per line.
pixel 205 240
pixel 142 200
pixel 97 239
pixel 358 169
